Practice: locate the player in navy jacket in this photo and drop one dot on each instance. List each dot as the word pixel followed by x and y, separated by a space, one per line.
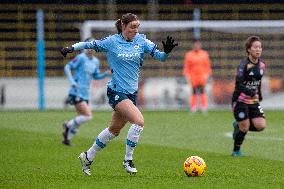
pixel 248 113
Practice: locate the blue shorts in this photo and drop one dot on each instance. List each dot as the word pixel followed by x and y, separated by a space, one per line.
pixel 115 97
pixel 73 100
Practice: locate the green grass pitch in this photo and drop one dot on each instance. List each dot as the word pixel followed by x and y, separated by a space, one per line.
pixel 32 155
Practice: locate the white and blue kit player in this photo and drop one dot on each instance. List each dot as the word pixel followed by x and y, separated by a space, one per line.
pixel 125 54
pixel 85 67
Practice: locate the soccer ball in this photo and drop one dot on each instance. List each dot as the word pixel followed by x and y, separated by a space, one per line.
pixel 194 166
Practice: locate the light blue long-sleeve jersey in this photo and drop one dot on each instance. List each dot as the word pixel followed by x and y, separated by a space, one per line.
pixel 124 58
pixel 84 70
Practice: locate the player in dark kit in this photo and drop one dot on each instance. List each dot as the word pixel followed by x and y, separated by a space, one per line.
pixel 248 113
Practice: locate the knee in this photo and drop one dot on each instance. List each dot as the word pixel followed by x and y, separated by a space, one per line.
pixel 260 127
pixel 140 122
pixel 259 124
pixel 244 127
pixel 114 131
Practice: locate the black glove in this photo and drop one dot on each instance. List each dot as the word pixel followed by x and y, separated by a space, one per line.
pixel 66 50
pixel 169 45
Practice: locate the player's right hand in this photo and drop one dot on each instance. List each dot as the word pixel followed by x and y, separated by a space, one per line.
pixel 66 50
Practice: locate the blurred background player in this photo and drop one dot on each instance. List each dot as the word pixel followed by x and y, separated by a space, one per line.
pixel 125 53
pixel 197 70
pixel 85 67
pixel 248 113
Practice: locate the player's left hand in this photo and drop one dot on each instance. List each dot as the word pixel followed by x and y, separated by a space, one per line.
pixel 169 44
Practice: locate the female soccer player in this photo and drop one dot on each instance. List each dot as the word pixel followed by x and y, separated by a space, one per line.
pixel 125 53
pixel 85 67
pixel 248 113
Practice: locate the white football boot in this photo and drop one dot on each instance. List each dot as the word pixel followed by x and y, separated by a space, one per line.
pixel 129 166
pixel 86 164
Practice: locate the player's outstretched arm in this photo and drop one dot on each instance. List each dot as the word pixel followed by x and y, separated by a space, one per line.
pixel 78 46
pixel 169 44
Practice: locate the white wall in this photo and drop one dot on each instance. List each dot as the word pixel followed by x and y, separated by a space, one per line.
pixel 158 93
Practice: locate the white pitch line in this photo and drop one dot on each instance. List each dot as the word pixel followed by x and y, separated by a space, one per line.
pixel 229 134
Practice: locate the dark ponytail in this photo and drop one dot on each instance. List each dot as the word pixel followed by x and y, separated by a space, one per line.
pixel 118 26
